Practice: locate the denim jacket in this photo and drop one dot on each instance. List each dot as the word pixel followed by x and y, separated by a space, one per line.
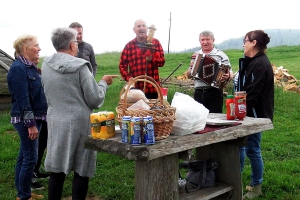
pixel 27 92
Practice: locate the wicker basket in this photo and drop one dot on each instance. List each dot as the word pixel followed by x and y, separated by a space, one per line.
pixel 163 117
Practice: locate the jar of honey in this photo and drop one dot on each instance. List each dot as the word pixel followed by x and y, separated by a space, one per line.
pixel 240 104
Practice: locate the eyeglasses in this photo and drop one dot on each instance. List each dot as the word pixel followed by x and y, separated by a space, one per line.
pixel 75 41
pixel 244 40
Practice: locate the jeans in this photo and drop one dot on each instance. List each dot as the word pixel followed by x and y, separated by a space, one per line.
pixel 26 161
pixel 253 152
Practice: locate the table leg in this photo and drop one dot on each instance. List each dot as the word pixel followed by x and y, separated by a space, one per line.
pixel 157 179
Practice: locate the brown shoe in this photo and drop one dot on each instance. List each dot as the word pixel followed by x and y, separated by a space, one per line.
pixel 33 197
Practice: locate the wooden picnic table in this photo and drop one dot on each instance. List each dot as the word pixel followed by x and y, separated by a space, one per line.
pixel 156 166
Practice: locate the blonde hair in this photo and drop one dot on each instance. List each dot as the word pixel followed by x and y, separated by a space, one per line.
pixel 22 41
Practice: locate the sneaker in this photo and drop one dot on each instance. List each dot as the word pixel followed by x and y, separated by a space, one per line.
pixel 36 186
pixel 38 175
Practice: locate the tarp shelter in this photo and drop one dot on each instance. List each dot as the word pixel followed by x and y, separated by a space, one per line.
pixel 5 62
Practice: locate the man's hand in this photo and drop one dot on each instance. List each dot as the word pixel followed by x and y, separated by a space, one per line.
pixel 227 76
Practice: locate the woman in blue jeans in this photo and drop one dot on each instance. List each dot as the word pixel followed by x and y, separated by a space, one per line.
pixel 256 77
pixel 28 109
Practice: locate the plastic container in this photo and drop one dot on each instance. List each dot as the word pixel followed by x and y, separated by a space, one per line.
pixel 103 125
pixel 230 107
pixel 164 92
pixel 240 104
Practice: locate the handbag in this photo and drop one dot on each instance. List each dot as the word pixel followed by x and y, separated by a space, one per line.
pixel 201 174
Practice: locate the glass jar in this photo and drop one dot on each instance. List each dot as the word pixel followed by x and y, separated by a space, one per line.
pixel 240 104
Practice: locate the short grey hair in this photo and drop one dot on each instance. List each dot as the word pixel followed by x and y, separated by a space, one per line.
pixel 207 33
pixel 62 38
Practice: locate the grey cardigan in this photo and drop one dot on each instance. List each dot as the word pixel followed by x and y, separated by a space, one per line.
pixel 72 93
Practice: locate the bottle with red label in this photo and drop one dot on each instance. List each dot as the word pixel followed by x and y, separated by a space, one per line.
pixel 230 114
pixel 240 104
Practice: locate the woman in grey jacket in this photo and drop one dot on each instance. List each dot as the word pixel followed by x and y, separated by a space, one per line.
pixel 72 93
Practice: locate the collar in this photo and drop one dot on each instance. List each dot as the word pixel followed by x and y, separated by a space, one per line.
pixel 213 51
pixel 28 63
pixel 25 61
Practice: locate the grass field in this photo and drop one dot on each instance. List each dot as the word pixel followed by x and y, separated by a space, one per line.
pixel 114 178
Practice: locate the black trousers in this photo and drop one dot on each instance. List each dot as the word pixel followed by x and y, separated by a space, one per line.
pixel 211 98
pixel 79 186
pixel 151 95
pixel 43 135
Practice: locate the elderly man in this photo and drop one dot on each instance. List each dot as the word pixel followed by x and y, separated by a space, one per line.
pixel 136 59
pixel 210 97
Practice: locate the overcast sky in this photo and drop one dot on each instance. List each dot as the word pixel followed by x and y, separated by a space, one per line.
pixel 107 24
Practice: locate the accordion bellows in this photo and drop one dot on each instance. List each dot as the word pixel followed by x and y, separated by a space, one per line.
pixel 210 71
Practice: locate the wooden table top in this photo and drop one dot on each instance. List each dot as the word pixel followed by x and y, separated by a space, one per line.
pixel 174 144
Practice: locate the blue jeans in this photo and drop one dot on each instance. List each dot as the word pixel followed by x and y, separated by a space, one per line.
pixel 253 152
pixel 26 161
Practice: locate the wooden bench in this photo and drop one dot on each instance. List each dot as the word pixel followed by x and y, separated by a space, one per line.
pixel 156 166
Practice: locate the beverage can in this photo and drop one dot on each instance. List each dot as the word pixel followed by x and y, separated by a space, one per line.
pixel 125 128
pixel 148 129
pixel 135 131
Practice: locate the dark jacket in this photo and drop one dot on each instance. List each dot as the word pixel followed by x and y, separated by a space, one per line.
pixel 256 77
pixel 27 93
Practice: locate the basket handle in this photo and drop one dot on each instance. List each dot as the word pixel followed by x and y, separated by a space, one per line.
pixel 142 78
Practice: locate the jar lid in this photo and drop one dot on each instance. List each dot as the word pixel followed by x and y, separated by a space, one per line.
pixel 230 96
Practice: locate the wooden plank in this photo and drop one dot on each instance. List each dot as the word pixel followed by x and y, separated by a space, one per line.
pixel 176 144
pixel 157 179
pixel 207 193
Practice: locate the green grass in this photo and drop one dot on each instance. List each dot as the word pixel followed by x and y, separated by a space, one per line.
pixel 114 178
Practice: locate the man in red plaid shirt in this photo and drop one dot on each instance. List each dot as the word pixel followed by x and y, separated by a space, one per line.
pixel 137 59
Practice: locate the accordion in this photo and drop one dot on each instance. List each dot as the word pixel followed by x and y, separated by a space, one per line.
pixel 210 71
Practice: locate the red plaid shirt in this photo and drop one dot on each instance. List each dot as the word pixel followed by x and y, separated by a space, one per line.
pixel 133 62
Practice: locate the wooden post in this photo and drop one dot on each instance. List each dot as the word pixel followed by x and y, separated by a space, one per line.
pixel 169 32
pixel 157 179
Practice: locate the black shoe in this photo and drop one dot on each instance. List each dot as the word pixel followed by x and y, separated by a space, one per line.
pixel 36 186
pixel 38 175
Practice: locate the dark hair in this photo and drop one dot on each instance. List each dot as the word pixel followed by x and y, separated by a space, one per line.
pixel 75 25
pixel 262 39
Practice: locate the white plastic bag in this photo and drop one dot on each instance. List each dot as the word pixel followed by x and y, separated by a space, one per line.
pixel 190 115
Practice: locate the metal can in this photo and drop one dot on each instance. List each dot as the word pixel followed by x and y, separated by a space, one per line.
pixel 148 128
pixel 135 131
pixel 125 129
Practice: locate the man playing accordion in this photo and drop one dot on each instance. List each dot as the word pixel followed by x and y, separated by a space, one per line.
pixel 207 93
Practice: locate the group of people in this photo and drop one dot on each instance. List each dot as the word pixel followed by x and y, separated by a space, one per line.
pixel 62 95
pixel 60 99
pixel 255 76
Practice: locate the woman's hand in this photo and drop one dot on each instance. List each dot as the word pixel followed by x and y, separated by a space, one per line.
pixel 33 133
